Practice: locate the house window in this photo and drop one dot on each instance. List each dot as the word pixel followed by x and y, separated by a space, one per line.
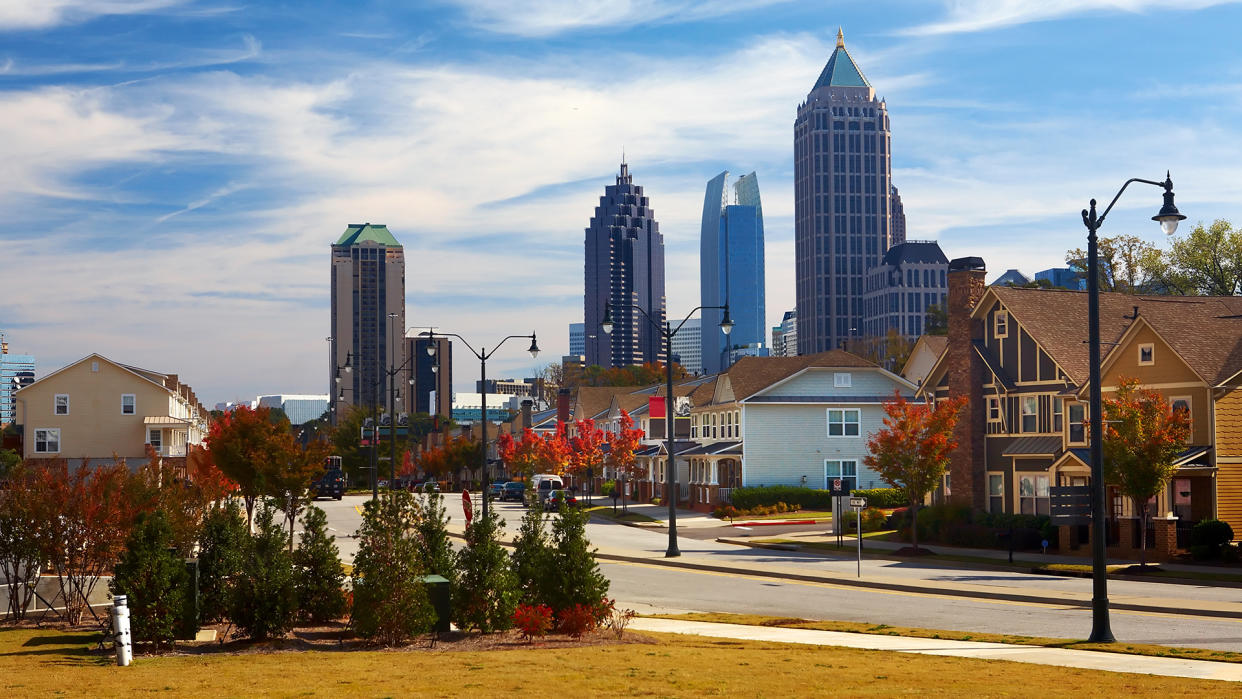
pixel 1033 495
pixel 843 422
pixel 994 413
pixel 1000 324
pixel 842 380
pixel 1180 404
pixel 1057 412
pixel 1146 354
pixel 127 404
pixel 1030 414
pixel 153 438
pixel 1077 428
pixel 60 405
pixel 694 426
pixel 996 492
pixel 847 471
pixel 737 421
pixel 47 441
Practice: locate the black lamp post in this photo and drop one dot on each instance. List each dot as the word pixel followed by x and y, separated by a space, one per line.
pixel 347 367
pixel 1168 219
pixel 670 472
pixel 482 355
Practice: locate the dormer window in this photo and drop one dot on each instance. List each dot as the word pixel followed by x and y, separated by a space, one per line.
pixel 1000 324
pixel 1146 354
pixel 842 380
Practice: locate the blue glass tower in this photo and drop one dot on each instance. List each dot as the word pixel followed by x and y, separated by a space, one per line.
pixel 16 371
pixel 731 270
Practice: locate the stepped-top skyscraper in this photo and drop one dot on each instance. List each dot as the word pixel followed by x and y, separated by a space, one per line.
pixel 624 266
pixel 846 210
pixel 368 283
pixel 731 269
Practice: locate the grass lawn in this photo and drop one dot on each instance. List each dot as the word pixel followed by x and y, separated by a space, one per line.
pixel 886 630
pixel 50 661
pixel 621 515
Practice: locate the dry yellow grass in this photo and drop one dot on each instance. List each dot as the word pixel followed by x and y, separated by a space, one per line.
pixel 45 662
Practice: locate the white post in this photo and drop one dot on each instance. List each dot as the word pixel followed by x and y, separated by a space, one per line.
pixel 858 531
pixel 120 629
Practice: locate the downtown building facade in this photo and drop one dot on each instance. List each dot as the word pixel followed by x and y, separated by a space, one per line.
pixel 16 371
pixel 847 213
pixel 429 375
pixel 785 336
pixel 731 271
pixel 625 268
pixel 368 284
pixel 688 346
pixel 577 339
pixel 910 278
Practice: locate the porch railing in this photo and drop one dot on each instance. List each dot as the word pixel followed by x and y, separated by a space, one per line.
pixel 725 495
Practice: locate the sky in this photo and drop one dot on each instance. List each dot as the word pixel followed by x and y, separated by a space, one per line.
pixel 174 171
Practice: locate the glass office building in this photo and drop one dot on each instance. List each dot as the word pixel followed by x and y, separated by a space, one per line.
pixel 16 371
pixel 731 264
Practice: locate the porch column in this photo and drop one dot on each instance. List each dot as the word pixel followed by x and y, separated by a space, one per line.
pixel 1165 545
pixel 715 472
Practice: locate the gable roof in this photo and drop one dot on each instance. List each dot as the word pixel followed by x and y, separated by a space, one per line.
pixel 365 232
pixel 933 344
pixel 749 375
pixel 841 71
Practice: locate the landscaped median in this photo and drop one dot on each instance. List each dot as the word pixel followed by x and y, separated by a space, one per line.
pixel 621 515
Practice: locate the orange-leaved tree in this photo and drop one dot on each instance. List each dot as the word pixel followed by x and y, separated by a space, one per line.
pixel 621 447
pixel 586 455
pixel 1142 437
pixel 554 451
pixel 521 456
pixel 911 452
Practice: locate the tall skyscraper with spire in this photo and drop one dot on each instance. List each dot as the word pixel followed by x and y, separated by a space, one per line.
pixel 846 211
pixel 731 270
pixel 624 267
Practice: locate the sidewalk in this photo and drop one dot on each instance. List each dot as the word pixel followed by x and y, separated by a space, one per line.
pixel 1083 659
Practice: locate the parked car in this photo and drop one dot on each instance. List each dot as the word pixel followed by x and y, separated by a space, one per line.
pixel 513 490
pixel 556 497
pixel 330 485
pixel 545 483
pixel 430 487
pixel 496 489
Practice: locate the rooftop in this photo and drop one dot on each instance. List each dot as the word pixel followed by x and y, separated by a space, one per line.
pixel 841 71
pixel 356 233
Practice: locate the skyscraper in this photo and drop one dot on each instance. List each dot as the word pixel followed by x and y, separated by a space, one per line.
pixel 624 267
pixel 688 346
pixel 16 371
pixel 430 380
pixel 577 338
pixel 731 269
pixel 368 283
pixel 844 217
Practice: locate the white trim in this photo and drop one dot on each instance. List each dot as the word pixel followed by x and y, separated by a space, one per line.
pixel 1190 404
pixel 133 404
pixel 844 422
pixel 993 402
pixel 841 471
pixel 1001 318
pixel 1150 347
pixel 842 379
pixel 35 445
pixel 56 403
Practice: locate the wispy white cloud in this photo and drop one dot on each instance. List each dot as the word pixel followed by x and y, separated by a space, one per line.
pixel 191 58
pixel 535 18
pixel 41 14
pixel 983 15
pixel 220 193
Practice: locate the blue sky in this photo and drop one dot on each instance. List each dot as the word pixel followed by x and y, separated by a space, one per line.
pixel 174 170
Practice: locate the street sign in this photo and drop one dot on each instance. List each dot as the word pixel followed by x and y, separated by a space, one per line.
pixel 858 503
pixel 836 486
pixel 466 507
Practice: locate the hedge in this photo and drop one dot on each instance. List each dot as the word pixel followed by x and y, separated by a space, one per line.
pixel 882 497
pixel 809 498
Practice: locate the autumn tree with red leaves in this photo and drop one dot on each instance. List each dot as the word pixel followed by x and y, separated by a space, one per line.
pixel 911 452
pixel 1142 437
pixel 520 456
pixel 586 451
pixel 554 451
pixel 621 447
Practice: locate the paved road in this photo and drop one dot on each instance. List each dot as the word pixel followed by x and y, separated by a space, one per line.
pixel 654 588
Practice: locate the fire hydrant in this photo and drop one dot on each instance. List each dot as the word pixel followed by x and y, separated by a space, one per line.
pixel 120 630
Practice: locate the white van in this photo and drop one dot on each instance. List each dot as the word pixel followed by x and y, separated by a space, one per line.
pixel 544 483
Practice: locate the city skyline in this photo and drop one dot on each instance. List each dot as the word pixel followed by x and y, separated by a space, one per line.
pixel 183 163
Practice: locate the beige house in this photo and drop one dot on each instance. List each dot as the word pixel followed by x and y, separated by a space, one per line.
pixel 98 409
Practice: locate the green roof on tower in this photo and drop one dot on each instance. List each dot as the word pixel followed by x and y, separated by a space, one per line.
pixel 841 70
pixel 363 232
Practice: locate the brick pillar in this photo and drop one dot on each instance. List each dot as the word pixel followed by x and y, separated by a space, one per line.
pixel 967 467
pixel 562 405
pixel 1125 534
pixel 1165 545
pixel 1065 540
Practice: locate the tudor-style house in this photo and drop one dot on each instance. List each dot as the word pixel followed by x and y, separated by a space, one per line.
pixel 98 409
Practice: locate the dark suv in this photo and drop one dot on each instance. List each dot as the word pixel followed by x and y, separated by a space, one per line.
pixel 330 485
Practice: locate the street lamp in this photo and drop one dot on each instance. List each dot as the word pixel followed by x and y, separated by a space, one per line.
pixel 670 471
pixel 1168 218
pixel 482 355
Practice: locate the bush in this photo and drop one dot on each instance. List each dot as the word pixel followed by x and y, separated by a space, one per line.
pixel 609 489
pixel 752 497
pixel 573 575
pixel 532 620
pixel 220 554
pixel 1212 533
pixel 872 519
pixel 318 575
pixel 657 502
pixel 577 620
pixel 263 601
pixel 154 580
pixel 390 600
pixel 435 554
pixel 531 559
pixel 487 589
pixel 882 497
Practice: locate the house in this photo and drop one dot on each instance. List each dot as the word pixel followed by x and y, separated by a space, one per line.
pixel 927 349
pixel 98 409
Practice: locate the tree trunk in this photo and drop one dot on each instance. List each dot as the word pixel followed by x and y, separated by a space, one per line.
pixel 1142 510
pixel 914 526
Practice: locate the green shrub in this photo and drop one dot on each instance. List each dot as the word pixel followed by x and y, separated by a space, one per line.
pixel 154 580
pixel 872 519
pixel 390 600
pixel 769 495
pixel 221 550
pixel 882 497
pixel 318 575
pixel 532 558
pixel 1211 532
pixel 435 554
pixel 263 601
pixel 487 589
pixel 609 489
pixel 575 576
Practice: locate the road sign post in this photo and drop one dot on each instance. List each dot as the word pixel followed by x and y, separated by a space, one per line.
pixel 858 505
pixel 836 488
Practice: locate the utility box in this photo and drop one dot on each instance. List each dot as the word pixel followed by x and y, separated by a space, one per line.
pixel 438 591
pixel 187 624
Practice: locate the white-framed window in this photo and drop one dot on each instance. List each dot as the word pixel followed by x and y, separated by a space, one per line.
pixel 47 441
pixel 128 403
pixel 1033 495
pixel 844 422
pixel 60 404
pixel 1077 423
pixel 842 380
pixel 996 492
pixel 994 413
pixel 846 470
pixel 153 438
pixel 1181 403
pixel 1030 414
pixel 715 426
pixel 1146 354
pixel 1057 414
pixel 1000 324
pixel 694 427
pixel 737 424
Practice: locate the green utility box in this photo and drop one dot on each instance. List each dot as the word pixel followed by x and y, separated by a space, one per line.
pixel 187 624
pixel 440 595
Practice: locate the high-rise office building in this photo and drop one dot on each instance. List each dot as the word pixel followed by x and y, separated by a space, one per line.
pixel 430 381
pixel 910 278
pixel 844 201
pixel 577 338
pixel 688 346
pixel 624 267
pixel 368 284
pixel 16 371
pixel 785 336
pixel 731 269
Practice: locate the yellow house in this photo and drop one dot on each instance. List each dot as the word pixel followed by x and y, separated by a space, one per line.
pixel 99 409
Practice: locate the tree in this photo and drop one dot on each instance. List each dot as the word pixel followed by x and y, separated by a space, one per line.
pixel 1206 262
pixel 487 589
pixel 153 578
pixel 553 451
pixel 390 600
pixel 222 550
pixel 911 452
pixel 430 523
pixel 621 447
pixel 20 553
pixel 578 579
pixel 264 602
pixel 586 454
pixel 937 320
pixel 9 459
pixel 1142 438
pixel 532 558
pixel 521 457
pixel 1128 264
pixel 318 575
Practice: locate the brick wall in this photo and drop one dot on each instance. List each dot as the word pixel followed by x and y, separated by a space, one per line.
pixel 965 371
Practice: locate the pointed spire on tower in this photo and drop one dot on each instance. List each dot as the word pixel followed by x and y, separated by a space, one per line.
pixel 840 38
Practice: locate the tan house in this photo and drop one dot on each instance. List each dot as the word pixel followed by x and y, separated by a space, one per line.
pixel 98 409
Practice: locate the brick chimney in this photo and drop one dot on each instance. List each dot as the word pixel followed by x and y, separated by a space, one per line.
pixel 562 406
pixel 967 468
pixel 526 419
